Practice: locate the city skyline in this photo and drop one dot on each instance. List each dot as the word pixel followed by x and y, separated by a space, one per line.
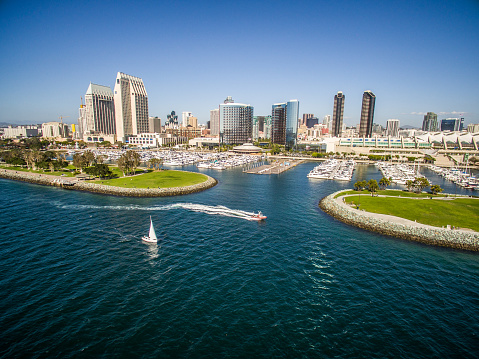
pixel 413 66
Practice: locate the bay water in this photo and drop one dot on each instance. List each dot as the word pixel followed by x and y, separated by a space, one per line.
pixel 77 281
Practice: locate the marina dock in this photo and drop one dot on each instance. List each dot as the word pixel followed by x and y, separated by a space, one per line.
pixel 276 167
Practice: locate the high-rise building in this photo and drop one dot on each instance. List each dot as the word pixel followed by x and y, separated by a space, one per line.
pixel 172 120
pixel 327 122
pixel 473 128
pixel 284 121
pixel 311 121
pixel 338 112
pixel 184 118
pixel 131 106
pixel 154 125
pixel 192 121
pixel 452 124
pixel 430 122
pixel 305 117
pixel 367 114
pixel 215 122
pixel 392 128
pixel 99 110
pixel 236 122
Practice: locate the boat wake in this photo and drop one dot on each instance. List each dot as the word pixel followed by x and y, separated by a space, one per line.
pixel 212 210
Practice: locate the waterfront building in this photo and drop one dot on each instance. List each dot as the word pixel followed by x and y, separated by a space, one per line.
pixel 284 118
pixel 131 106
pixel 473 128
pixel 99 110
pixel 392 128
pixel 54 130
pixel 21 131
pixel 215 122
pixel 154 125
pixel 429 123
pixel 367 114
pixel 452 124
pixel 184 118
pixel 236 122
pixel 338 112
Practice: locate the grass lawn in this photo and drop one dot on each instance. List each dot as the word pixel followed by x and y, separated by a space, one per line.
pixel 459 212
pixel 398 193
pixel 162 179
pixel 47 172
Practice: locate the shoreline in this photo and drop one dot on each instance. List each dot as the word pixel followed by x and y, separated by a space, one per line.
pixel 399 227
pixel 72 183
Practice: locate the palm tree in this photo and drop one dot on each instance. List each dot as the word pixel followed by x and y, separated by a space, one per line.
pixel 373 186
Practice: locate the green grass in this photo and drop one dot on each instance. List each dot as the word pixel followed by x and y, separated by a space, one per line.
pixel 398 193
pixel 459 212
pixel 162 179
pixel 46 172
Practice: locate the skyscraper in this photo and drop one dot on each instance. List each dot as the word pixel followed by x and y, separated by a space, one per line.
pixel 172 120
pixel 236 122
pixel 452 124
pixel 430 122
pixel 392 128
pixel 284 120
pixel 367 114
pixel 215 122
pixel 99 110
pixel 327 122
pixel 338 111
pixel 131 106
pixel 184 118
pixel 305 117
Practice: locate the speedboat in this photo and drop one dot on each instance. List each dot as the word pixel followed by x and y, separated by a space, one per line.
pixel 258 217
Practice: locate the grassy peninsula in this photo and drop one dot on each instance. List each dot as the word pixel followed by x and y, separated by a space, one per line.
pixel 439 211
pixel 154 179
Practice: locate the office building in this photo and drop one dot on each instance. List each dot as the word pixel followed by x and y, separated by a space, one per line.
pixel 284 121
pixel 215 122
pixel 236 122
pixel 99 110
pixel 184 118
pixel 131 106
pixel 367 114
pixel 311 121
pixel 392 128
pixel 54 129
pixel 452 124
pixel 305 117
pixel 172 120
pixel 21 131
pixel 154 125
pixel 338 112
pixel 327 122
pixel 430 122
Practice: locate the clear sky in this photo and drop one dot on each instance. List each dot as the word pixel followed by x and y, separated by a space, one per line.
pixel 415 56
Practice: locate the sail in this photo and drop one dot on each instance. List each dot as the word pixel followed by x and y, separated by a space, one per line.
pixel 152 233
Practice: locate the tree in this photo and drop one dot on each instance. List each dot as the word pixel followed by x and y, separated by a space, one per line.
pixel 79 162
pixel 420 183
pixel 89 157
pixel 435 189
pixel 409 185
pixel 373 186
pixel 99 170
pixel 155 163
pixel 128 162
pixel 360 185
pixel 384 182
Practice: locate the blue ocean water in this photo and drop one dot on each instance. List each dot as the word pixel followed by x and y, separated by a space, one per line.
pixel 77 281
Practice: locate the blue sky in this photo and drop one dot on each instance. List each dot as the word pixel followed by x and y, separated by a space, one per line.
pixel 416 56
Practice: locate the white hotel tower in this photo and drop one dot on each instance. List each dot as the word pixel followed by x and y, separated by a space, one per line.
pixel 131 106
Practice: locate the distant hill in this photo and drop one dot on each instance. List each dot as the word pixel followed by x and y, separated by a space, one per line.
pixel 5 124
pixel 408 127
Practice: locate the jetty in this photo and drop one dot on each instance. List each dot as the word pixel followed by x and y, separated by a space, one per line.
pixel 276 167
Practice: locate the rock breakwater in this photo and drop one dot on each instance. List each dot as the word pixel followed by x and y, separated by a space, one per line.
pixel 74 184
pixel 459 239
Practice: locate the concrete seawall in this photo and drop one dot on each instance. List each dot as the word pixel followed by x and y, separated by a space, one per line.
pixel 399 227
pixel 73 184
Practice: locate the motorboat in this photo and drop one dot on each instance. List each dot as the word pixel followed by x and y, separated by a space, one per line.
pixel 258 216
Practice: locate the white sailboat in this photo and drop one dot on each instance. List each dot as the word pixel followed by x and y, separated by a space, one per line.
pixel 151 237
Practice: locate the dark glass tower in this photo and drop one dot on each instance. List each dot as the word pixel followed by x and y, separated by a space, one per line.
pixel 367 114
pixel 338 114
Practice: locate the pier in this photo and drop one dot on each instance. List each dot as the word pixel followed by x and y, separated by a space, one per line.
pixel 276 167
